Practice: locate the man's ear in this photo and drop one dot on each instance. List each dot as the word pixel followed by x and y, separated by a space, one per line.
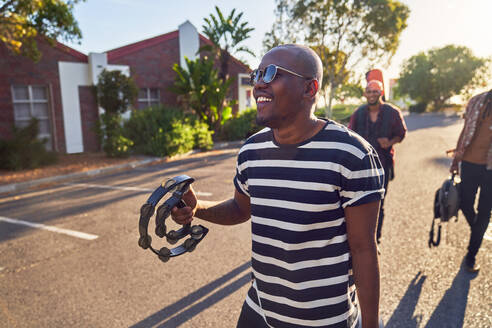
pixel 312 88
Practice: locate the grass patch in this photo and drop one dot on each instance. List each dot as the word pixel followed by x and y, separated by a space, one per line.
pixel 340 112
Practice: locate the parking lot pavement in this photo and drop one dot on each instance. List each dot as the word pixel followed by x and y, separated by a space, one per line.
pixel 49 277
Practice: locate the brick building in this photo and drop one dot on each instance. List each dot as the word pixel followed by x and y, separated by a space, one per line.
pixel 58 90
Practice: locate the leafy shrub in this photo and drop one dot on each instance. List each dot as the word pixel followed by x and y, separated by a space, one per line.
pixel 417 108
pixel 240 126
pixel 115 93
pixel 110 133
pixel 24 150
pixel 203 136
pixel 163 131
pixel 117 146
pixel 200 89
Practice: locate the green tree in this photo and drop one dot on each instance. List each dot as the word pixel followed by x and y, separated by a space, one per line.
pixel 23 21
pixel 115 94
pixel 338 73
pixel 349 90
pixel 438 74
pixel 201 90
pixel 226 34
pixel 348 32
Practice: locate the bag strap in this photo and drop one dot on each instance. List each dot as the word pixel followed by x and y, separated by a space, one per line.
pixel 386 123
pixel 362 127
pixel 437 241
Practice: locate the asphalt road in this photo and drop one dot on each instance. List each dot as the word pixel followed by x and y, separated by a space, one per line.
pixel 78 264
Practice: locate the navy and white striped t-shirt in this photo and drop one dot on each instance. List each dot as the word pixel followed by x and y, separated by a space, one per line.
pixel 300 254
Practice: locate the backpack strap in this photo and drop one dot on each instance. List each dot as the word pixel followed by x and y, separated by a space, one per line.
pixel 361 126
pixel 385 130
pixel 437 241
pixel 437 215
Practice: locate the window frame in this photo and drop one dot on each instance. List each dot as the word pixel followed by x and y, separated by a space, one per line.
pixel 31 101
pixel 148 101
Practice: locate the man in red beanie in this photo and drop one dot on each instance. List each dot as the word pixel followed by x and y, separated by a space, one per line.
pixel 382 125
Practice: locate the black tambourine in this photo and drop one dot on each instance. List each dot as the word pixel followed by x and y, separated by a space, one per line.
pixel 178 186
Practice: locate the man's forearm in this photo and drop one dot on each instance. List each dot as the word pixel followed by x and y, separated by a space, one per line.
pixel 366 276
pixel 226 212
pixel 395 140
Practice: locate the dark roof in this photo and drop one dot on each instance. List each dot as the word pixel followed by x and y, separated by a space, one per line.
pixel 130 48
pixel 71 51
pixel 133 47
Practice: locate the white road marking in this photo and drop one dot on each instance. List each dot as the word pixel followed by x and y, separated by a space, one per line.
pixel 88 185
pixel 203 193
pixel 72 233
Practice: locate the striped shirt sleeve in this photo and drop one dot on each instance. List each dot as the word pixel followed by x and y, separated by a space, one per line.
pixel 363 182
pixel 241 178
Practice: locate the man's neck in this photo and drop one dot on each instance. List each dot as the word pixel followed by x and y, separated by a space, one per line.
pixel 298 132
pixel 375 107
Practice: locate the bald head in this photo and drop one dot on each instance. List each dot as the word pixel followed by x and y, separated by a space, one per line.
pixel 306 60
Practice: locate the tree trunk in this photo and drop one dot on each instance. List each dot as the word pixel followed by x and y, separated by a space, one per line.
pixel 224 65
pixel 328 111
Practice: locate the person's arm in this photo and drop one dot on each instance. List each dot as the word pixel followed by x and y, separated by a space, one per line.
pixel 361 226
pixel 398 131
pixel 459 151
pixel 454 168
pixel 227 212
pixel 353 121
pixel 387 143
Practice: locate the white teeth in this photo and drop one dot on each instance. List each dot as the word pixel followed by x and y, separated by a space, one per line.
pixel 263 99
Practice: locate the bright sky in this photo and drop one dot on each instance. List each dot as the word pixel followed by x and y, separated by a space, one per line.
pixel 108 24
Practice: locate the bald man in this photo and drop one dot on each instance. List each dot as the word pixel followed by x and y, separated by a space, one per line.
pixel 311 188
pixel 381 124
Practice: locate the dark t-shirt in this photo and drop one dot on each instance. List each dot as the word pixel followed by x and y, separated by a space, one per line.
pixel 371 131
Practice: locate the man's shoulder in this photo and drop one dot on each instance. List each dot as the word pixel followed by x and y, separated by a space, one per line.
pixel 390 107
pixel 480 95
pixel 360 108
pixel 336 132
pixel 261 136
pixel 477 98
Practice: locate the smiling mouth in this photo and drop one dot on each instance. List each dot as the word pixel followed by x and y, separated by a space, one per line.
pixel 263 100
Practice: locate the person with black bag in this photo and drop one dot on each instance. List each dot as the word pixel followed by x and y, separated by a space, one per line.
pixel 474 153
pixel 381 124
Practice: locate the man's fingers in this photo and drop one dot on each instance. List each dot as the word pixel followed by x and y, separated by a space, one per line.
pixel 182 215
pixel 189 198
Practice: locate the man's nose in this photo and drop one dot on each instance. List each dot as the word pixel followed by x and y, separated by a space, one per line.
pixel 260 84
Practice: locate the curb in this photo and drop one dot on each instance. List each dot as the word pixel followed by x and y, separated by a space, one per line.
pixel 22 186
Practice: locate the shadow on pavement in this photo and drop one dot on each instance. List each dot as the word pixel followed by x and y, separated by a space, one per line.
pixel 450 312
pixel 415 121
pixel 403 314
pixel 442 161
pixel 168 313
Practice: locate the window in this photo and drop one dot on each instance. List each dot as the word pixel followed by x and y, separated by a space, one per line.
pixel 148 97
pixel 32 101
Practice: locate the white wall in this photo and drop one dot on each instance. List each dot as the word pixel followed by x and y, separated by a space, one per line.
pixel 243 101
pixel 73 75
pixel 189 43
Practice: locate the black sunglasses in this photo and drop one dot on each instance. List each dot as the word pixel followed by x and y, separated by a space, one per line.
pixel 268 74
